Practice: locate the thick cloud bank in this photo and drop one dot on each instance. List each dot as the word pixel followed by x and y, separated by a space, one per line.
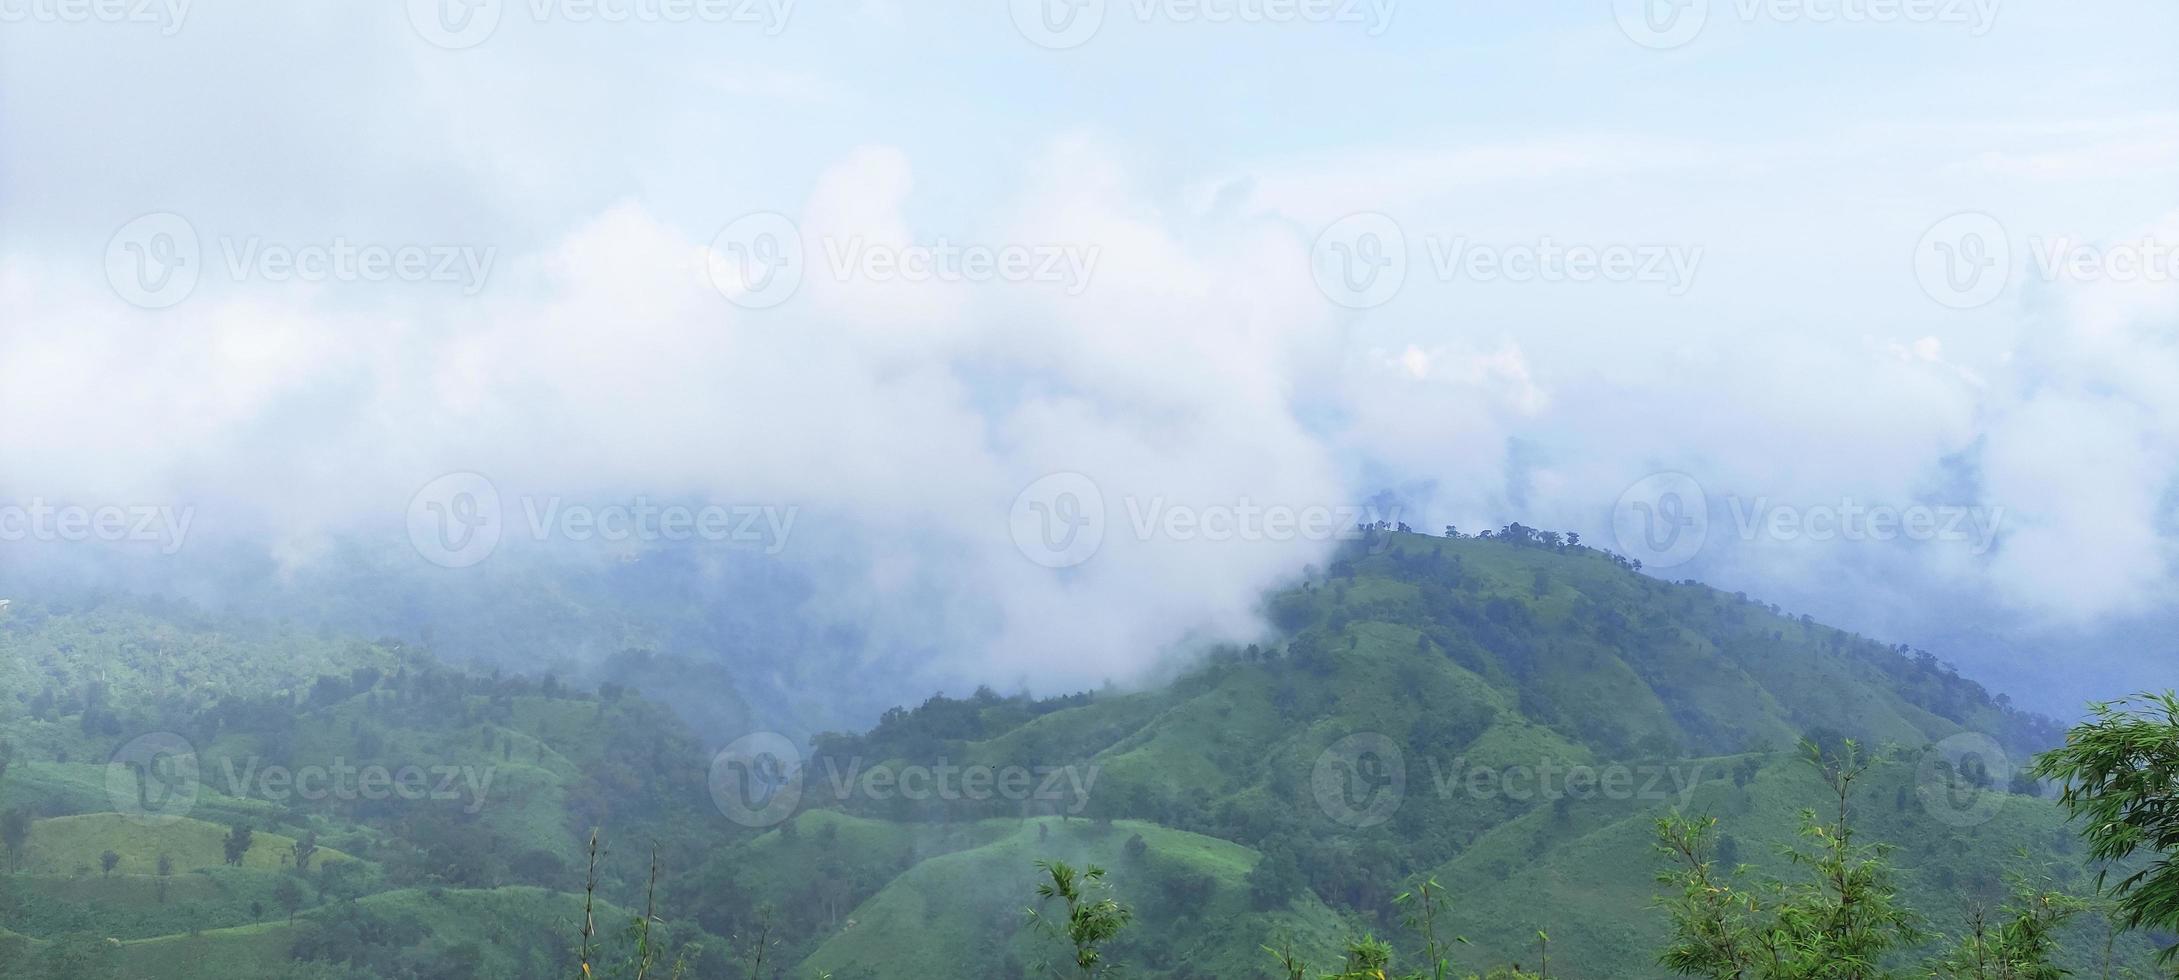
pixel 1052 393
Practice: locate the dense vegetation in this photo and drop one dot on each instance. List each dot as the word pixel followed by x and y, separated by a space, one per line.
pixel 1510 715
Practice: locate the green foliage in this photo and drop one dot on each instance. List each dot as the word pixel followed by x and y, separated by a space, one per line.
pixel 1370 958
pixel 2120 777
pixel 305 849
pixel 2019 942
pixel 1839 921
pixel 237 844
pixel 1423 907
pixel 1090 917
pixel 1490 653
pixel 14 836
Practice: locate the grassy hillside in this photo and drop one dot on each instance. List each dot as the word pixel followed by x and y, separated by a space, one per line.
pixel 1509 714
pixel 448 814
pixel 1578 873
pixel 76 844
pixel 1478 664
pixel 63 657
pixel 1190 894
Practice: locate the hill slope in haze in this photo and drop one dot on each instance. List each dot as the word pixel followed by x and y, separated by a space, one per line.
pixel 1508 713
pixel 1519 687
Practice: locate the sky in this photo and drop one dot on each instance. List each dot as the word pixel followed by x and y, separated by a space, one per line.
pixel 1055 332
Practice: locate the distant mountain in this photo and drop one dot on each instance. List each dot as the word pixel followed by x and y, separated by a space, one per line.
pixel 1485 672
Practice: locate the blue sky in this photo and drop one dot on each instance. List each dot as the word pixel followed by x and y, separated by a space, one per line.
pixel 1798 167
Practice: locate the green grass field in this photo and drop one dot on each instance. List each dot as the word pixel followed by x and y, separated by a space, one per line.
pixel 74 845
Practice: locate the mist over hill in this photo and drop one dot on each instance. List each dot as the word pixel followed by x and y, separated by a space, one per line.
pixel 1507 712
pixel 1175 489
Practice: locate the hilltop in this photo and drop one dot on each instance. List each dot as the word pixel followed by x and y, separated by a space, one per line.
pixel 1508 713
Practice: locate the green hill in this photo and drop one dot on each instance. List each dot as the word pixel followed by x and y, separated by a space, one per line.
pixel 1482 666
pixel 1190 894
pixel 64 844
pixel 1509 714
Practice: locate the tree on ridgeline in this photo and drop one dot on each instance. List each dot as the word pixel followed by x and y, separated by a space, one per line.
pixel 304 849
pixel 236 845
pixel 14 835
